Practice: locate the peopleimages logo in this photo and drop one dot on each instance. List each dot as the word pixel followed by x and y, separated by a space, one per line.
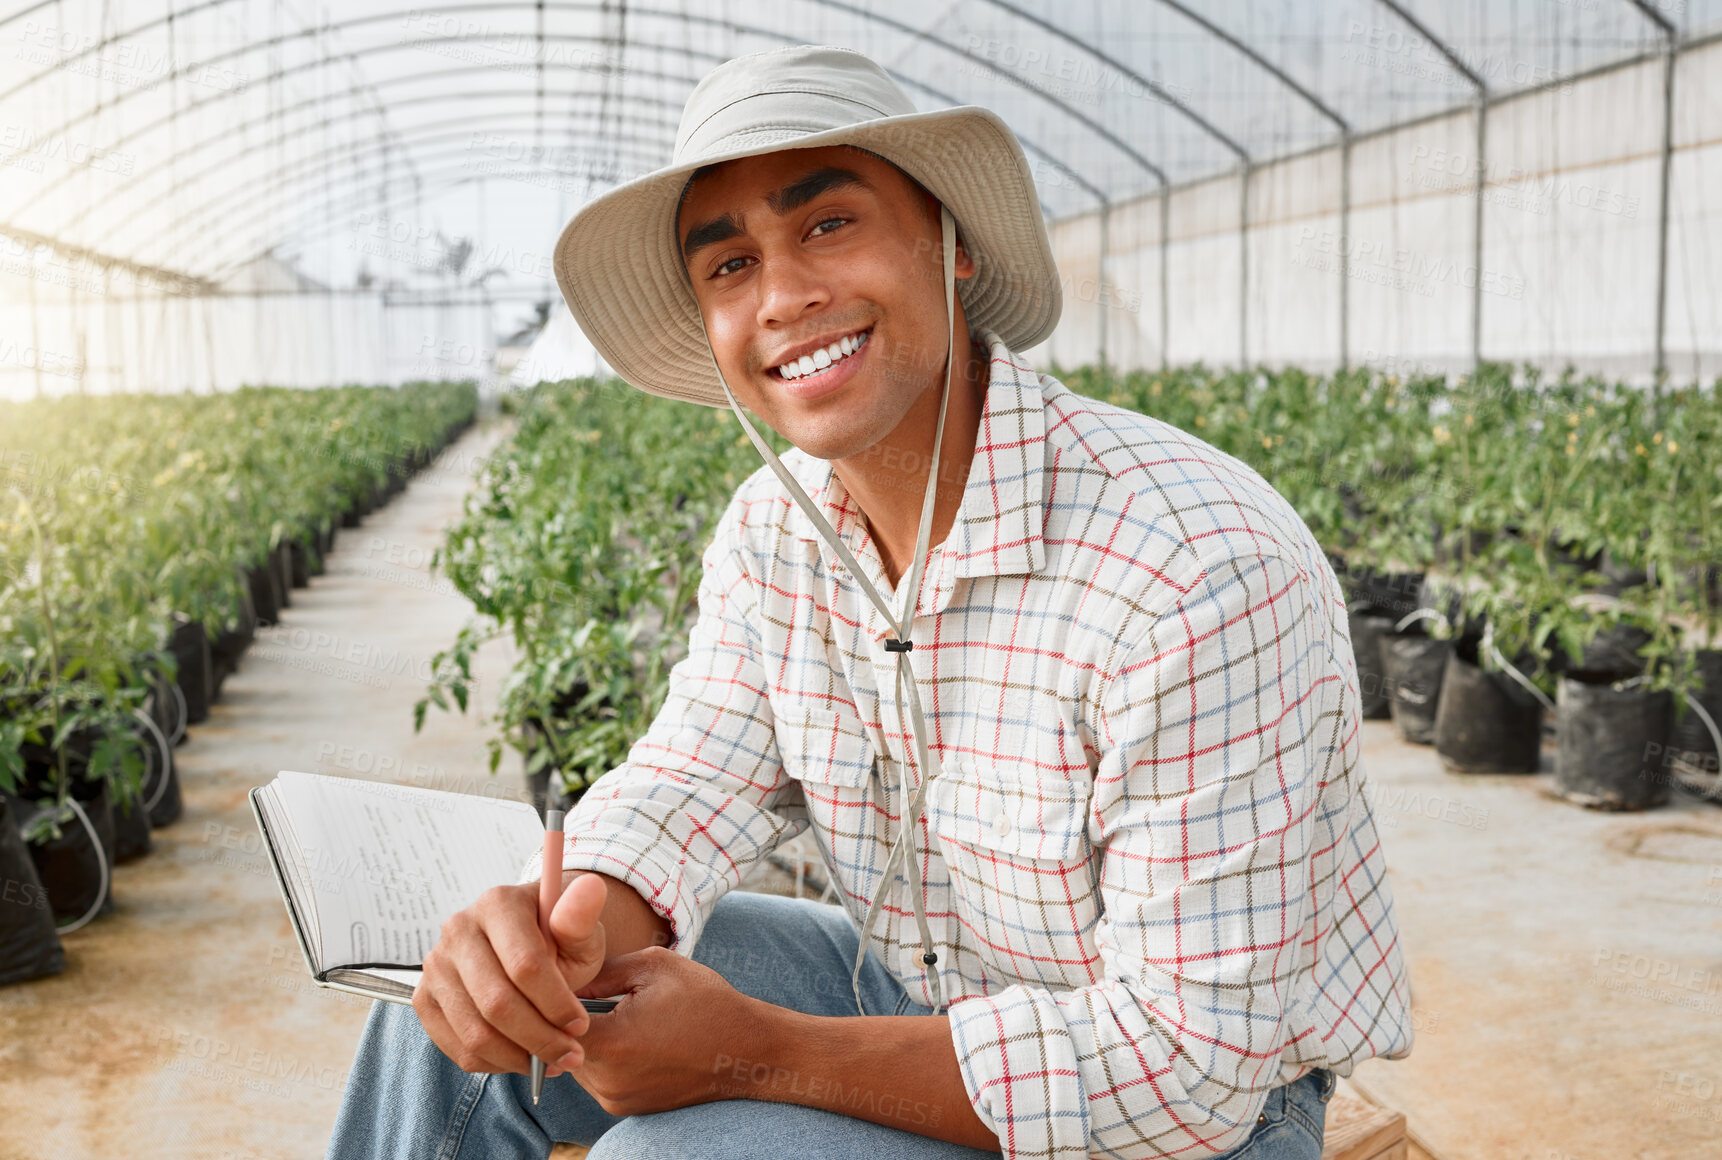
pixel 19 143
pixel 1398 267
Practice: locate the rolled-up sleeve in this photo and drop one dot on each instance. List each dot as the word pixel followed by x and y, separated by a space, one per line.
pixel 1218 729
pixel 703 795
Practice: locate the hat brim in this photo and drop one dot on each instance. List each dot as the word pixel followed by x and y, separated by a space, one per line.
pixel 620 269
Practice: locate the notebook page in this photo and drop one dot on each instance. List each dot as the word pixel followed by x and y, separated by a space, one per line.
pixel 386 864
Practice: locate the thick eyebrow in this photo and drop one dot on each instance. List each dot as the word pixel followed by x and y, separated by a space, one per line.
pixel 803 190
pixel 719 229
pixel 786 200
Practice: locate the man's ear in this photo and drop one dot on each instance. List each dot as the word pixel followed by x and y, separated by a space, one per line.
pixel 965 265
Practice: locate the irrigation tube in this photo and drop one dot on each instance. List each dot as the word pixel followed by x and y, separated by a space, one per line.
pixel 101 859
pixel 166 751
pixel 184 713
pixel 1420 614
pixel 1715 739
pixel 1508 668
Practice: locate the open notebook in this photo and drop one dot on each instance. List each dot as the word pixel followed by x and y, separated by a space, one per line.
pixel 370 870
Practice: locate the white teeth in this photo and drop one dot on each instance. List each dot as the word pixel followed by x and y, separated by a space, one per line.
pixel 821 359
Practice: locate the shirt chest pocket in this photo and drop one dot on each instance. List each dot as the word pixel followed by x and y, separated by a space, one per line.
pixel 828 747
pixel 983 806
pixel 1022 871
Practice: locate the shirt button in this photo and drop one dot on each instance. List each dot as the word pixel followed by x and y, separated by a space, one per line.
pixel 1001 823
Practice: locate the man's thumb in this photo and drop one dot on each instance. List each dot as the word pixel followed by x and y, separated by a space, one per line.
pixel 575 918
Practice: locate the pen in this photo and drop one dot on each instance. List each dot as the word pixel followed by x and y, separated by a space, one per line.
pixel 549 889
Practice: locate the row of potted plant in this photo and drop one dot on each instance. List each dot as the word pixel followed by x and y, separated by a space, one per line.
pixel 1514 549
pixel 142 540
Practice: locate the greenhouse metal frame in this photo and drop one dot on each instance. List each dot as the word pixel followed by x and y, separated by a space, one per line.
pixel 1458 186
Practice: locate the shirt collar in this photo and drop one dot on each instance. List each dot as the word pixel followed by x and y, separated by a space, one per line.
pixel 997 531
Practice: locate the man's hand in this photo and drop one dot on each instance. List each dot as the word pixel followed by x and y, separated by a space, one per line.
pixel 682 1035
pixel 678 1026
pixel 494 993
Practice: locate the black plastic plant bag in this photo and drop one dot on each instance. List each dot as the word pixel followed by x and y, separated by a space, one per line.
pixel 29 946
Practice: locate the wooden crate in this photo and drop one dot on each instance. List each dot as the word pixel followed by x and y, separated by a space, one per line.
pixel 1359 1131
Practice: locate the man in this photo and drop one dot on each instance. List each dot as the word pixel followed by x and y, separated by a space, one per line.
pixel 1065 695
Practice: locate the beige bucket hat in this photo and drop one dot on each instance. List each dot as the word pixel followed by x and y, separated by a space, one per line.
pixel 620 268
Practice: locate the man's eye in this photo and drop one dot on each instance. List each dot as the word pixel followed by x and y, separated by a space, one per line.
pixel 728 267
pixel 833 222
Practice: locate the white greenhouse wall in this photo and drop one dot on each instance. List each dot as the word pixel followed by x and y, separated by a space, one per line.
pixel 1695 206
pixel 103 343
pixel 1570 209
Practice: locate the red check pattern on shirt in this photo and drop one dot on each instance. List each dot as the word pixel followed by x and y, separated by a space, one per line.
pixel 1149 864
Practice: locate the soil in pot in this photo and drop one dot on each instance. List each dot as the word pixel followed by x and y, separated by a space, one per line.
pixel 1615 650
pixel 1367 630
pixel 190 647
pixel 1485 722
pixel 1413 663
pixel 29 946
pixel 1612 742
pixel 1612 650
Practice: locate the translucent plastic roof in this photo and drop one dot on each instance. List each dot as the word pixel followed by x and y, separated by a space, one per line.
pixel 190 138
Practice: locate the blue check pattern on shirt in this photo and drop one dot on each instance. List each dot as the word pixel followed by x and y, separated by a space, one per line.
pixel 1153 876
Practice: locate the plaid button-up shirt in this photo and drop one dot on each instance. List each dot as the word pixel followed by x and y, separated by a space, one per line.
pixel 1150 868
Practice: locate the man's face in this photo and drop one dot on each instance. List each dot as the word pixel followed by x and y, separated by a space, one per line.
pixel 801 251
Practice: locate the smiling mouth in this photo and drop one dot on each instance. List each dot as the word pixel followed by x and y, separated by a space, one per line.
pixel 824 358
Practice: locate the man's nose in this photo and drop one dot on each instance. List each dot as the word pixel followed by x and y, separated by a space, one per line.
pixel 790 287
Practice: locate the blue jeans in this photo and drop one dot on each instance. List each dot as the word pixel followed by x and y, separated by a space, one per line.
pixel 406 1100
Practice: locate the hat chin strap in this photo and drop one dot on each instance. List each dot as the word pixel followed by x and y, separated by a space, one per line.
pixel 908 691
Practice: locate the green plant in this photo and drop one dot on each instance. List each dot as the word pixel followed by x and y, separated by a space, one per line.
pixel 119 512
pixel 583 545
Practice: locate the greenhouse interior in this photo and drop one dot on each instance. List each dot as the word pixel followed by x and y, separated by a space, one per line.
pixel 1265 701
